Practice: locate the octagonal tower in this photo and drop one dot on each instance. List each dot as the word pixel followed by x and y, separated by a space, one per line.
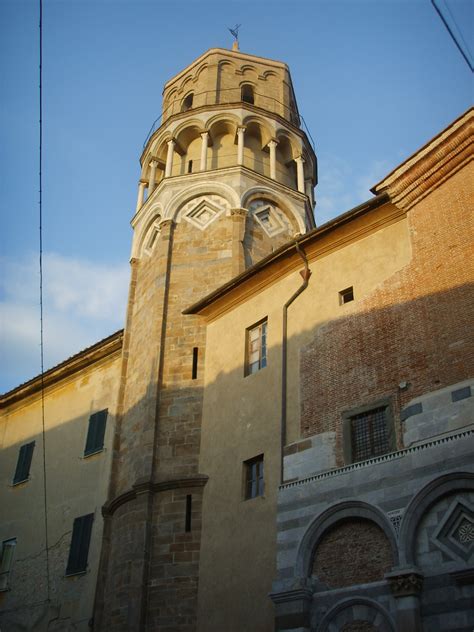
pixel 226 179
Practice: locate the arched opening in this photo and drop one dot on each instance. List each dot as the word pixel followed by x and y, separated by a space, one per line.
pixel 247 93
pixel 187 102
pixel 223 152
pixel 352 551
pixel 286 166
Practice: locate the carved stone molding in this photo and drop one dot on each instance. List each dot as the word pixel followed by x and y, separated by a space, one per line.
pixel 405 584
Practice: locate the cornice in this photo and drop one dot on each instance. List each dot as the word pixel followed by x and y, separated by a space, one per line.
pixel 149 487
pixel 431 165
pixel 228 53
pixel 84 359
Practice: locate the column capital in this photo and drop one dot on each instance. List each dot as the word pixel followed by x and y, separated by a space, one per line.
pixel 238 212
pixel 171 142
pixel 273 142
pixel 241 129
pixel 154 162
pixel 204 132
pixel 405 583
pixel 299 158
pixel 143 181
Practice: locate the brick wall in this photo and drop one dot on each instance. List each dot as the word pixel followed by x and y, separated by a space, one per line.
pixel 352 552
pixel 415 327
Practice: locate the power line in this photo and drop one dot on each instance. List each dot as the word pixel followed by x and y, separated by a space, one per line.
pixel 452 35
pixel 457 28
pixel 45 490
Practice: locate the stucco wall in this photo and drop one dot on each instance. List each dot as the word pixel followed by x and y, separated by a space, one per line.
pixel 76 486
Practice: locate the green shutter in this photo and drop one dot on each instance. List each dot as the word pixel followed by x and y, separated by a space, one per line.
pixel 79 551
pixel 24 462
pixel 96 432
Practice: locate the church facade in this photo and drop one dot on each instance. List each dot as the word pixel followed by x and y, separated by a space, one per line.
pixel 282 436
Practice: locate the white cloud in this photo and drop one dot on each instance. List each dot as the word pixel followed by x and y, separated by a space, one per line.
pixel 83 302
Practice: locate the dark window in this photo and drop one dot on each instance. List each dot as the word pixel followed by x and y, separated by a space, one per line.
pixel 370 434
pixel 96 432
pixel 81 537
pixel 256 344
pixel 23 465
pixel 254 484
pixel 195 363
pixel 6 562
pixel 190 166
pixel 187 102
pixel 187 522
pixel 247 93
pixel 347 295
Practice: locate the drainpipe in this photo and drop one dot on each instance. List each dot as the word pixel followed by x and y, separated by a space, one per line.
pixel 306 273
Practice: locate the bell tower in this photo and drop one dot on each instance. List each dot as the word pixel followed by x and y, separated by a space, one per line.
pixel 227 178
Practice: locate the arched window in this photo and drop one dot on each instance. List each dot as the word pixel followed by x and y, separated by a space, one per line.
pixel 247 94
pixel 187 102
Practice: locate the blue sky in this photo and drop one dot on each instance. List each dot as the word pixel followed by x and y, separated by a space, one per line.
pixel 374 80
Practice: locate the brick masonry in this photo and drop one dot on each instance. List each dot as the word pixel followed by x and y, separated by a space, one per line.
pixel 416 327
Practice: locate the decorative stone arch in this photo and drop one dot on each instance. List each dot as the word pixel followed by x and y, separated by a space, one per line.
pixel 145 230
pixel 342 511
pixel 355 609
pixel 204 188
pixel 269 194
pixel 224 118
pixel 183 87
pixel 186 133
pixel 248 68
pixel 421 503
pixel 199 71
pixel 293 141
pixel 169 100
pixel 266 131
pixel 157 147
pixel 269 73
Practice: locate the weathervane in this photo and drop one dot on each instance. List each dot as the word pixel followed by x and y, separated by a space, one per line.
pixel 235 35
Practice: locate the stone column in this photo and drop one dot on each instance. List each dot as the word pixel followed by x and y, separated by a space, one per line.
pixel 406 587
pixel 240 145
pixel 238 216
pixel 205 139
pixel 300 173
pixel 272 145
pixel 169 158
pixel 141 194
pixel 152 183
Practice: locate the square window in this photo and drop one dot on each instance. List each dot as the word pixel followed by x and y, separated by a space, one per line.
pixel 256 348
pixel 368 433
pixel 346 296
pixel 79 550
pixel 253 472
pixel 96 432
pixel 6 562
pixel 23 464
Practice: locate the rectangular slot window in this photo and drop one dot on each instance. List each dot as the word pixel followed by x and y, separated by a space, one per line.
pixel 369 434
pixel 346 296
pixel 6 562
pixel 23 465
pixel 189 504
pixel 190 166
pixel 254 482
pixel 80 541
pixel 256 352
pixel 96 432
pixel 195 363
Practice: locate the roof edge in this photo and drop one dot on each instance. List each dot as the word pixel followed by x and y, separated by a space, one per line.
pixel 287 250
pixel 75 363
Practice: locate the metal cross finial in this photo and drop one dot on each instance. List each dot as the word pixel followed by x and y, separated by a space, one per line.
pixel 235 31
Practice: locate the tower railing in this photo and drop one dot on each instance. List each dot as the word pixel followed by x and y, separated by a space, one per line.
pixel 228 96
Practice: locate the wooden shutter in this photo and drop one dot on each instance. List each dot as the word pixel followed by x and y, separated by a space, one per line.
pixel 79 551
pixel 96 432
pixel 24 462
